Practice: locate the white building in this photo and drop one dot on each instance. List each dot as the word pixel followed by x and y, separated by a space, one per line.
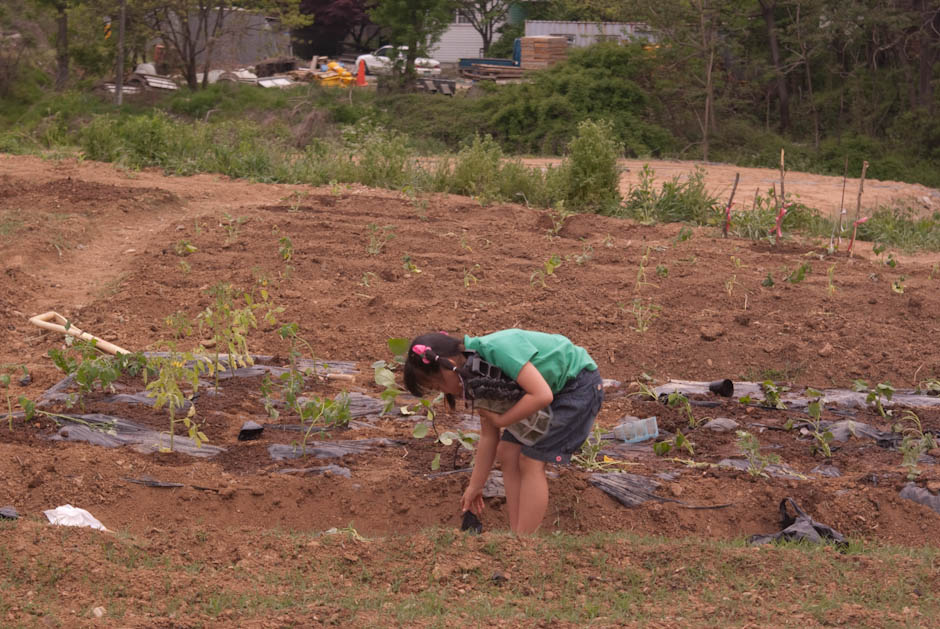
pixel 460 40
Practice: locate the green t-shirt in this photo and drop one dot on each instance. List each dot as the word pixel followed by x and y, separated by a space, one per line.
pixel 557 358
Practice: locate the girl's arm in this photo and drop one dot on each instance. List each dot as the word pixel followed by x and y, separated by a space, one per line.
pixel 486 453
pixel 537 396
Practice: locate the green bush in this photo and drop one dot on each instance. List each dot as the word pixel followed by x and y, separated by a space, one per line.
pixel 674 201
pixel 592 175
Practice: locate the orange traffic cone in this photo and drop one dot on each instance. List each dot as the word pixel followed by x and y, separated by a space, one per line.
pixel 361 74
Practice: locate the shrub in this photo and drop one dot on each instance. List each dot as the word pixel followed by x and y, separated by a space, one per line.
pixel 592 177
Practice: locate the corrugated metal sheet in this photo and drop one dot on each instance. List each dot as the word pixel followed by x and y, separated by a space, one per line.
pixel 587 33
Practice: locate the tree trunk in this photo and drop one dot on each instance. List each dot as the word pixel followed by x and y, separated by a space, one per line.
pixel 62 49
pixel 767 10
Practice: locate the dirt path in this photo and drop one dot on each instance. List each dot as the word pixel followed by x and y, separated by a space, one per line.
pixel 819 191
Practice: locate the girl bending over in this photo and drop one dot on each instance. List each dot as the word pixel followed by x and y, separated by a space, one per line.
pixel 537 396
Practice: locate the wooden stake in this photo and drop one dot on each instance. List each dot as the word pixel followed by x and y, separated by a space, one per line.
pixel 832 238
pixel 858 207
pixel 737 176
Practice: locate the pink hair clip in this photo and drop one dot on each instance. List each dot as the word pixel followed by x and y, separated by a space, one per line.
pixel 420 350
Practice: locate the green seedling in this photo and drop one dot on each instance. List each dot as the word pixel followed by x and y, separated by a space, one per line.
pixel 469 279
pixel 378 238
pixel 822 439
pixel 385 376
pixel 292 380
pixel 749 446
pixel 323 412
pixel 409 264
pixel 184 267
pixel 768 281
pixel 678 400
pixel 643 314
pixel 685 233
pixel 548 268
pixel 558 217
pixel 662 271
pixel 915 442
pixel 367 278
pixel 231 225
pixel 92 370
pixel 174 371
pixel 295 199
pixel 229 326
pixel 798 275
pixel 897 286
pixel 587 252
pixel 930 386
pixel 28 406
pixel 876 395
pixel 772 394
pixel 590 458
pixel 180 324
pixel 285 248
pixel 184 248
pixel 729 285
pixel 608 241
pixel 679 442
pixel 641 271
pixel 830 286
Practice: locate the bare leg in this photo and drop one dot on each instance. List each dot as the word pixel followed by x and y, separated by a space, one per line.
pixel 533 495
pixel 508 454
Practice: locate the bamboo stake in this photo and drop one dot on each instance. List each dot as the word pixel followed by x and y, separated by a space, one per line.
pixel 737 176
pixel 858 207
pixel 842 210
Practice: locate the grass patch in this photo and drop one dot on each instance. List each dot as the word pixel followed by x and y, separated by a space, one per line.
pixel 442 578
pixel 10 223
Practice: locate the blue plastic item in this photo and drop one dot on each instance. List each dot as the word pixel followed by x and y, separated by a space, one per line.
pixel 634 430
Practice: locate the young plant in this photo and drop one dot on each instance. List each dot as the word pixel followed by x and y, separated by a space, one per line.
pixel 729 285
pixel 174 371
pixel 285 248
pixel 915 442
pixel 587 252
pixel 662 271
pixel 469 279
pixel 558 217
pixel 548 268
pixel 877 393
pixel 292 380
pixel 772 394
pixel 409 264
pixel 644 314
pixel 680 441
pixel 768 281
pixel 378 238
pixel 822 439
pixel 678 400
pixel 590 459
pixel 798 275
pixel 641 271
pixel 749 446
pixel 184 248
pixel 323 412
pixel 830 286
pixel 28 406
pixel 385 376
pixel 231 225
pixel 897 286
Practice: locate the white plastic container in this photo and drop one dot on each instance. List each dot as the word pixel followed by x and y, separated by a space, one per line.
pixel 634 430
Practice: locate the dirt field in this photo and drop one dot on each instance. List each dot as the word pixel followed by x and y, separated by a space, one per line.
pixel 98 245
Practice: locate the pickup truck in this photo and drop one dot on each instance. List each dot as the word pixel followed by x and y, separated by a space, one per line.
pixel 381 61
pixel 465 65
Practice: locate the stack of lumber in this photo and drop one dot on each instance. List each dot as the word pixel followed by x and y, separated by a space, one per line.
pixel 542 52
pixel 485 71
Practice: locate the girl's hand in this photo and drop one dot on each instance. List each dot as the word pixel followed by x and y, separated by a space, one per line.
pixel 472 500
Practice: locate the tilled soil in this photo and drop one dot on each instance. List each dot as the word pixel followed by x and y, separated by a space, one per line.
pixel 107 249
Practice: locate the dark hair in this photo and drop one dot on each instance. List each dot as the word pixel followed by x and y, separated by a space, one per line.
pixel 438 350
pixel 441 348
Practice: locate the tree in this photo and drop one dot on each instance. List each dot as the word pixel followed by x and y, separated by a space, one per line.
pixel 485 16
pixel 417 24
pixel 333 20
pixel 192 28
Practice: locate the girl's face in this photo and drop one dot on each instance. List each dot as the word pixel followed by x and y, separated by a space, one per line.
pixel 445 381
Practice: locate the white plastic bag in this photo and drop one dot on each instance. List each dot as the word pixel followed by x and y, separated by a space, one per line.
pixel 67 515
